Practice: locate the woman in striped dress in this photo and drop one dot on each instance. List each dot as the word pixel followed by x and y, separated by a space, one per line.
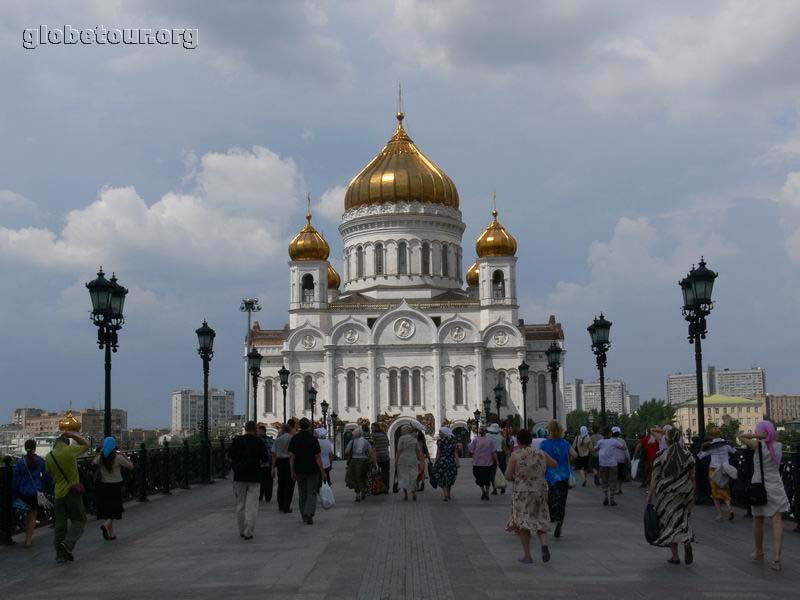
pixel 672 489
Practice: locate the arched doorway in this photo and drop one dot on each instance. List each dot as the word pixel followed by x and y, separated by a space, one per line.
pixel 461 433
pixel 395 431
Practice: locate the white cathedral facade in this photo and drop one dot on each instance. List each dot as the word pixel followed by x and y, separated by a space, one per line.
pixel 404 334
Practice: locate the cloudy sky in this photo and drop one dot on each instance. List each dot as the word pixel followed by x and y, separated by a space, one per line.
pixel 623 140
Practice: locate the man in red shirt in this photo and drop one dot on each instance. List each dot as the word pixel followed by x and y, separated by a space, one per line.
pixel 648 446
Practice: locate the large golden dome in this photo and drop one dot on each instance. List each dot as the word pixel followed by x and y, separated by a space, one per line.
pixel 401 173
pixel 495 241
pixel 309 243
pixel 334 281
pixel 473 275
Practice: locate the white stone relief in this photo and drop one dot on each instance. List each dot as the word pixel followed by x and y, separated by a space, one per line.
pixel 351 336
pixel 404 328
pixel 501 338
pixel 458 334
pixel 309 341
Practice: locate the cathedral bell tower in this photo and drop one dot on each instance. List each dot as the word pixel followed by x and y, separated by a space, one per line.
pixel 312 278
pixel 494 275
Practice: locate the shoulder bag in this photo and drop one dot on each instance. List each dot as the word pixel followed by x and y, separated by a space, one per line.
pixel 651 526
pixel 756 493
pixel 41 498
pixel 76 489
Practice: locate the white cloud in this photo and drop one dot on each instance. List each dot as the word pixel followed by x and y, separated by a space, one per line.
pixel 331 204
pixel 790 193
pixel 228 224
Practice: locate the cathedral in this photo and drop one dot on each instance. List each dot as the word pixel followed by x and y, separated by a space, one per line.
pixel 404 334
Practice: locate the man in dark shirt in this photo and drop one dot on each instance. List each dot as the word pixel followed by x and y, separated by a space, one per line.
pixel 247 453
pixel 265 493
pixel 305 461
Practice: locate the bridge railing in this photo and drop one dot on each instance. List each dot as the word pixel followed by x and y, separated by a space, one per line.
pixel 156 471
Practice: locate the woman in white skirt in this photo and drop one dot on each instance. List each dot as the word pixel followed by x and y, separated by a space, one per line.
pixel 777 502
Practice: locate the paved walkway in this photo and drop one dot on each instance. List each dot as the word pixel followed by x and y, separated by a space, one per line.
pixel 186 546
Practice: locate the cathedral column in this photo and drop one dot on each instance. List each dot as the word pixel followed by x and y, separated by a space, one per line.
pixel 373 386
pixel 330 381
pixel 437 387
pixel 480 378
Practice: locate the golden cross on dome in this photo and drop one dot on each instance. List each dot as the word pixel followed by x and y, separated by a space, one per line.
pixel 308 210
pixel 494 204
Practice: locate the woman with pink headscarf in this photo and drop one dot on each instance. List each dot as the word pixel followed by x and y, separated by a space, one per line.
pixel 768 451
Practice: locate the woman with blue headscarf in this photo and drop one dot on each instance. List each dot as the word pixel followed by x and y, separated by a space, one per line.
pixel 108 490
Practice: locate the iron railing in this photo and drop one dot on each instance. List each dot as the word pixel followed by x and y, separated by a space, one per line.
pixel 156 471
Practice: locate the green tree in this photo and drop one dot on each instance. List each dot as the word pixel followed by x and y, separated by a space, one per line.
pixel 728 431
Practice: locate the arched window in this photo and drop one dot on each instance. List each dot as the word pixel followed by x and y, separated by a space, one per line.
pixel 458 386
pixel 308 288
pixel 498 285
pixel 445 266
pixel 392 388
pixel 501 381
pixel 308 383
pixel 402 258
pixel 351 389
pixel 359 262
pixel 268 399
pixel 426 258
pixel 404 385
pixel 541 390
pixel 416 388
pixel 378 259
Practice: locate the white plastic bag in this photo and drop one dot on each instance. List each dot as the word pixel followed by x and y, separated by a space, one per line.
pixel 634 468
pixel 326 494
pixel 500 480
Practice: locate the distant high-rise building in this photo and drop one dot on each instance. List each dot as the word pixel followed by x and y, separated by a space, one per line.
pixel 632 403
pixel 187 410
pixel 780 408
pixel 744 383
pixel 615 396
pixel 20 416
pixel 573 396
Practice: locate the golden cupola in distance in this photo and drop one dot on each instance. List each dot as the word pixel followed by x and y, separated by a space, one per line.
pixel 309 243
pixel 473 275
pixel 495 240
pixel 334 280
pixel 401 173
pixel 69 423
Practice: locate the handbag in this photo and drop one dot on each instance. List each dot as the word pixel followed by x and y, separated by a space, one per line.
pixel 432 475
pixel 730 471
pixel 651 526
pixel 756 493
pixel 572 481
pixel 41 499
pixel 76 489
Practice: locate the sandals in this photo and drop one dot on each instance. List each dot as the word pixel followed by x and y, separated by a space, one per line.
pixel 757 556
pixel 776 565
pixel 674 561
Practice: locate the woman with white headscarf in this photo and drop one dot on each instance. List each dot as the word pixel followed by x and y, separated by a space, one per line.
pixel 583 448
pixel 445 469
pixel 407 458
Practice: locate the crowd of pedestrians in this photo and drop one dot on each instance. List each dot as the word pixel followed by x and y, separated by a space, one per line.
pixel 542 470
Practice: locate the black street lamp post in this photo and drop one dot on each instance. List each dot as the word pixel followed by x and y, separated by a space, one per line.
pixel 498 399
pixel 205 342
pixel 324 407
pixel 599 332
pixel 283 373
pixel 553 354
pixel 334 416
pixel 696 288
pixel 254 365
pixel 108 301
pixel 487 409
pixel 523 378
pixel 312 401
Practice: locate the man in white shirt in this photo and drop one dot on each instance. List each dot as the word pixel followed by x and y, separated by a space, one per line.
pixel 607 449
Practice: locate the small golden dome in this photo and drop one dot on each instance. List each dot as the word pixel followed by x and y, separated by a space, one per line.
pixel 309 243
pixel 495 241
pixel 401 173
pixel 334 281
pixel 69 423
pixel 473 275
